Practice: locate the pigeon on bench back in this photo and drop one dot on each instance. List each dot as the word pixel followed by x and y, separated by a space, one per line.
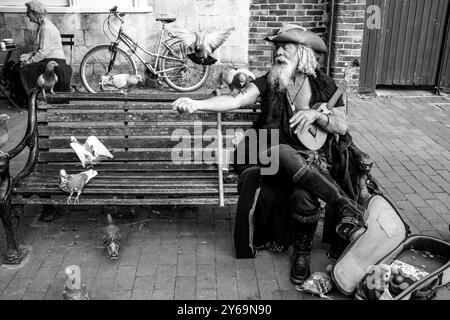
pixel 111 238
pixel 48 79
pixel 73 289
pixel 91 152
pixel 123 82
pixel 202 46
pixel 74 183
pixel 4 136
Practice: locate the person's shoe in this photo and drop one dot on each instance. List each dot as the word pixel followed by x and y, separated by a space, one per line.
pixel 300 270
pixel 49 213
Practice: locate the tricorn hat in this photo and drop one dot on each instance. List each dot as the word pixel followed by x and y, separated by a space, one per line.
pixel 296 34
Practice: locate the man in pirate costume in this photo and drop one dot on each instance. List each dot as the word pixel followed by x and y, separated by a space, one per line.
pixel 287 93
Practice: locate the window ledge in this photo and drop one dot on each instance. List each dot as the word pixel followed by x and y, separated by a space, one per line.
pixel 22 9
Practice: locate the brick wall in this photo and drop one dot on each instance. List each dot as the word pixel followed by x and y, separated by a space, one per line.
pixel 266 15
pixel 347 37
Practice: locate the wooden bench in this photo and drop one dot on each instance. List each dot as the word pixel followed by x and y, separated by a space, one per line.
pixel 138 130
pixel 67 40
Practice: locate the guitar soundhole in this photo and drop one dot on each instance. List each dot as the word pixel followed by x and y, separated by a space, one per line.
pixel 313 131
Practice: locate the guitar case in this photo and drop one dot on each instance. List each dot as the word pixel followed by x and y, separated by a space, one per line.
pixel 388 241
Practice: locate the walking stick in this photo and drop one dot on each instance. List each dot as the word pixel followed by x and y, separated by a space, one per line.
pixel 219 158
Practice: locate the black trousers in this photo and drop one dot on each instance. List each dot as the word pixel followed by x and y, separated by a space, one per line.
pixel 25 77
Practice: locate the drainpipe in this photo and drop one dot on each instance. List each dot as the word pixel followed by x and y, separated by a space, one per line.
pixel 330 35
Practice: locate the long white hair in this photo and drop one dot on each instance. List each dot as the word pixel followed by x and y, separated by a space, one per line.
pixel 307 61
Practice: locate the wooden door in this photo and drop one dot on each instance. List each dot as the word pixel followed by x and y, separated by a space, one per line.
pixel 408 48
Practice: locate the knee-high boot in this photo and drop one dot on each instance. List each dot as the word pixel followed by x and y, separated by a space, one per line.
pixel 303 236
pixel 324 187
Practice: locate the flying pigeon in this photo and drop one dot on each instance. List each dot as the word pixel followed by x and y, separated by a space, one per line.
pixel 202 46
pixel 48 79
pixel 121 81
pixel 74 183
pixel 92 152
pixel 111 238
pixel 73 289
pixel 3 131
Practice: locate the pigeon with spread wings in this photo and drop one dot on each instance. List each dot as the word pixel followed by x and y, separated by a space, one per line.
pixel 91 152
pixel 202 46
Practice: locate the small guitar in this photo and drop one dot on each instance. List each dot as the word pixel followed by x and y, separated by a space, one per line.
pixel 315 137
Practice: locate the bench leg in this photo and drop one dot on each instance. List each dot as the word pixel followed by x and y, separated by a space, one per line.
pixel 14 255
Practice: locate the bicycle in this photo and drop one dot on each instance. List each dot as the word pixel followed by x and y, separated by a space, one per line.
pixel 171 63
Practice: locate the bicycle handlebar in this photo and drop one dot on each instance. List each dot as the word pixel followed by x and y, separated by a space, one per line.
pixel 118 15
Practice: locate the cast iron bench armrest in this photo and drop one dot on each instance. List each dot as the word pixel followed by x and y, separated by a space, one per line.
pixel 29 140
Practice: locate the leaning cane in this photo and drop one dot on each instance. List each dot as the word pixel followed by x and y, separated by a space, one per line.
pixel 219 158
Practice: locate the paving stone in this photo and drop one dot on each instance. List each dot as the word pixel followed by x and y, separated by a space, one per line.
pixel 186 265
pixel 143 288
pixel 247 284
pixel 206 294
pixel 43 279
pixel 165 276
pixel 16 289
pixel 185 288
pixel 125 278
pixel 102 288
pixel 416 200
pixel 206 277
pixel 227 288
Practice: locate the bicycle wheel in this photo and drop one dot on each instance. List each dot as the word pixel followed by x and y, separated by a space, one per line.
pixel 179 72
pixel 98 60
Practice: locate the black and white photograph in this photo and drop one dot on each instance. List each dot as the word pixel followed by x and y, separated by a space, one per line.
pixel 228 156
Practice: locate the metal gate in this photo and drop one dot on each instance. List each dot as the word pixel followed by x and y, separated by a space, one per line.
pixel 408 47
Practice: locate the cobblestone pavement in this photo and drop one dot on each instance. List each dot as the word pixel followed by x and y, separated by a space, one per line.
pixel 188 253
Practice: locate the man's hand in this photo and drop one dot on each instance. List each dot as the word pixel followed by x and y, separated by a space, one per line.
pixel 25 57
pixel 304 119
pixel 184 105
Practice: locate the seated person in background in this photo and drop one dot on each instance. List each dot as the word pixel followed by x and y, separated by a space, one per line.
pixel 47 47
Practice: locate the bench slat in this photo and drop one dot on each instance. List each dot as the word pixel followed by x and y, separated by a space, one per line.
pixel 131 130
pixel 61 200
pixel 141 117
pixel 131 142
pixel 144 156
pixel 141 167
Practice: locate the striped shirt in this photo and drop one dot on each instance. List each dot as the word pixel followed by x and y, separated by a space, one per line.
pixel 48 42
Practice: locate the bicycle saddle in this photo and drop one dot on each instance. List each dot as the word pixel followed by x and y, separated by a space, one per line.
pixel 166 20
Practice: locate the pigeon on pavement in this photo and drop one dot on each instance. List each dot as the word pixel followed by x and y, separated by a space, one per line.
pixel 3 131
pixel 122 82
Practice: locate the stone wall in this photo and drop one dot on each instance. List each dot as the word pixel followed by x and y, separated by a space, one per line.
pixel 196 15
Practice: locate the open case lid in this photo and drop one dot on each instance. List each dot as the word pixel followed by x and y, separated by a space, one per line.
pixel 386 231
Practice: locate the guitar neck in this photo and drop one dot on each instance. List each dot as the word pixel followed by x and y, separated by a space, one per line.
pixel 334 99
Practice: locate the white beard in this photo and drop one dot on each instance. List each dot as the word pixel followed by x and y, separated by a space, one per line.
pixel 281 74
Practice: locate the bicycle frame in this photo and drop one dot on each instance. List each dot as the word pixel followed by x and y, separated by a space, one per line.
pixel 133 46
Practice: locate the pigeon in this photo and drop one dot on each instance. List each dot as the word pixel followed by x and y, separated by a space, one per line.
pixel 92 152
pixel 202 46
pixel 48 79
pixel 73 289
pixel 237 79
pixel 74 183
pixel 122 81
pixel 111 238
pixel 3 131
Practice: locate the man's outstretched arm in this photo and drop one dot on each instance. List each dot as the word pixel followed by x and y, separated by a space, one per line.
pixel 219 103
